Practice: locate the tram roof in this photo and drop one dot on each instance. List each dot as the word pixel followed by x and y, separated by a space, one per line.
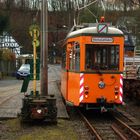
pixel 112 31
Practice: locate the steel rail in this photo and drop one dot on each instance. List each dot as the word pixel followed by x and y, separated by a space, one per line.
pixel 6 98
pixel 113 127
pixel 9 89
pixel 126 115
pixel 118 132
pixel 91 128
pixel 135 133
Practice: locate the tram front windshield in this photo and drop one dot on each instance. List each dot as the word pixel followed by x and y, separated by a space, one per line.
pixel 102 57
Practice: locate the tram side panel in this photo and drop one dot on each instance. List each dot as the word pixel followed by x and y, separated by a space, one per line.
pixel 73 91
pixel 64 84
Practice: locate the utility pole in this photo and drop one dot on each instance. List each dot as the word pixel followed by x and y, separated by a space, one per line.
pixel 41 107
pixel 44 48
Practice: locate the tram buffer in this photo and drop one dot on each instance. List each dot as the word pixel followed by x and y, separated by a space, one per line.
pixel 35 106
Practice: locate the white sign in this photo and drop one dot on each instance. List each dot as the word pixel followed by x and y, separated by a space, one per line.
pixel 102 39
pixel 102 28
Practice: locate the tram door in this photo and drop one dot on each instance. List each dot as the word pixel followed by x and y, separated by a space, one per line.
pixel 73 72
pixel 74 58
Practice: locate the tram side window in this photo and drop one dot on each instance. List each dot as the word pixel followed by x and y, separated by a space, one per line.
pixel 103 57
pixel 64 58
pixel 75 58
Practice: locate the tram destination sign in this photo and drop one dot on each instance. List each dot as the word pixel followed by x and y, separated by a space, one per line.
pixel 102 39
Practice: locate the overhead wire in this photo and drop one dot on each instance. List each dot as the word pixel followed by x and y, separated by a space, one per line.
pixel 88 5
pixel 103 7
pixel 92 14
pixel 78 9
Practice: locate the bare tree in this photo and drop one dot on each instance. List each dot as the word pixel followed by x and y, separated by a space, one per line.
pixel 135 2
pixel 9 4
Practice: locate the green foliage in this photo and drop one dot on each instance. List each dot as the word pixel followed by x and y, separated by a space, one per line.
pixel 15 130
pixel 4 22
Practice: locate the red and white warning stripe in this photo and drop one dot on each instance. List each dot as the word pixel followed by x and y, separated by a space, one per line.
pixel 121 88
pixel 81 87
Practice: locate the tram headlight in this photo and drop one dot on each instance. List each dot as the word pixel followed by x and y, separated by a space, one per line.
pixel 39 111
pixel 101 84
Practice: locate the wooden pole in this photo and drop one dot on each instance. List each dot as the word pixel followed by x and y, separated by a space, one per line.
pixel 44 48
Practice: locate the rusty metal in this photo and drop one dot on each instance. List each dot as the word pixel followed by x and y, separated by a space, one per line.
pixel 91 128
pixel 118 132
pixel 135 133
pixel 104 127
pixel 39 108
pixel 126 115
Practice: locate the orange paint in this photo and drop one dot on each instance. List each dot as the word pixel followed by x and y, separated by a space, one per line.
pixel 70 78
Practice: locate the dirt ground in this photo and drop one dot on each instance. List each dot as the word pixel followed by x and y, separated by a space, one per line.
pixel 132 107
pixel 14 130
pixel 64 130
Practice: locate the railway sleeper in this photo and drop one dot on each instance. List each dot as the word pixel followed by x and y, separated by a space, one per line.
pixel 128 131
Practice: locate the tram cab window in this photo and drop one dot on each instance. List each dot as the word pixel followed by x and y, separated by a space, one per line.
pixel 102 57
pixel 74 57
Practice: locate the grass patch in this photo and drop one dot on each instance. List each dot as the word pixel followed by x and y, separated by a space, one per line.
pixel 14 125
pixel 62 131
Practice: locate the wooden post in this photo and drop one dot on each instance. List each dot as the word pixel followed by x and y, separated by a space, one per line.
pixel 44 48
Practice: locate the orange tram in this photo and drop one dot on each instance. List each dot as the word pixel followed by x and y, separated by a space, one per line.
pixel 92 67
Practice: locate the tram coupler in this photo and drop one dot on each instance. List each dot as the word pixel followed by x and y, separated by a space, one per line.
pixel 39 108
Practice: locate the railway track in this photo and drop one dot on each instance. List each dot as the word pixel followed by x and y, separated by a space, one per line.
pixel 11 88
pixel 127 131
pixel 109 128
pixel 7 94
pixel 7 97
